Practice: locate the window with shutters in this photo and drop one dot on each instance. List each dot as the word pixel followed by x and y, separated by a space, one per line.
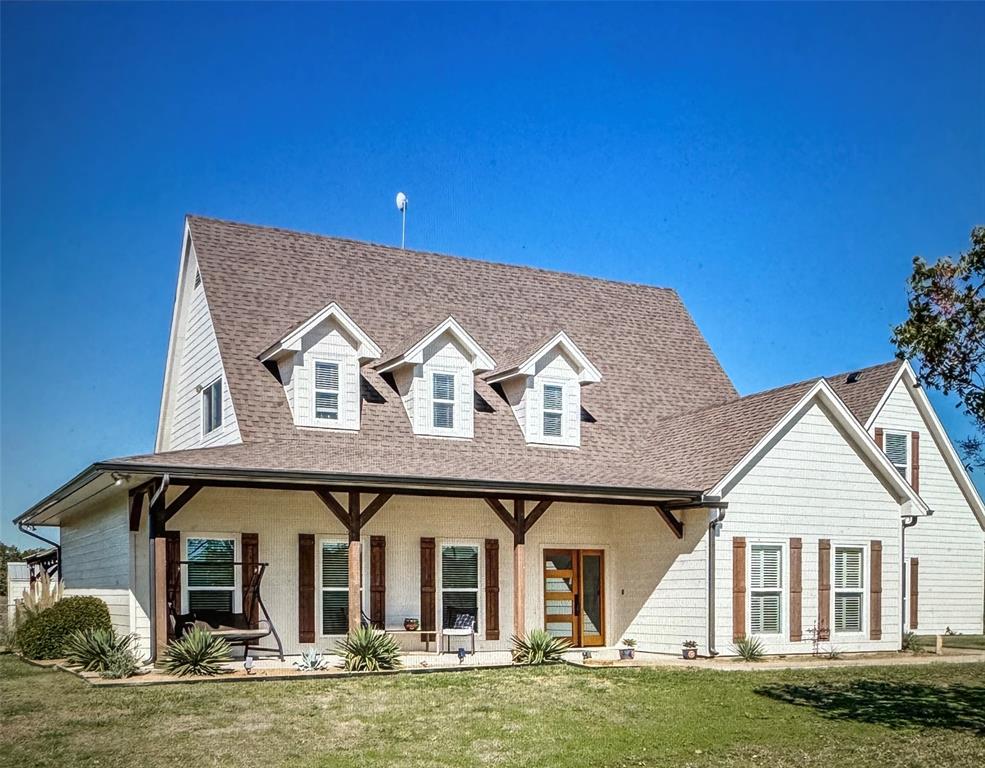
pixel 766 589
pixel 210 573
pixel 897 447
pixel 326 391
pixel 334 587
pixel 553 410
pixel 212 407
pixel 849 589
pixel 443 400
pixel 460 585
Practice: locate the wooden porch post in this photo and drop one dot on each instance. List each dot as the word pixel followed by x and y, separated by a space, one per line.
pixel 355 570
pixel 519 545
pixel 159 574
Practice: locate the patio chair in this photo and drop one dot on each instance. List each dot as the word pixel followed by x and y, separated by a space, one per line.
pixel 458 623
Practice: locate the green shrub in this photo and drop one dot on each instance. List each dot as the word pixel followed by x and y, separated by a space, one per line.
pixel 367 650
pixel 120 664
pixel 912 643
pixel 196 653
pixel 750 648
pixel 539 647
pixel 43 635
pixel 92 649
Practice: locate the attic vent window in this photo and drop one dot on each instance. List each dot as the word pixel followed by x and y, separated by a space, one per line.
pixel 443 400
pixel 553 409
pixel 327 391
pixel 198 278
pixel 897 451
pixel 853 377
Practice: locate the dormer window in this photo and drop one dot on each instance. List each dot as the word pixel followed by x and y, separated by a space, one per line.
pixel 443 400
pixel 326 391
pixel 544 391
pixel 435 378
pixel 897 451
pixel 318 364
pixel 553 410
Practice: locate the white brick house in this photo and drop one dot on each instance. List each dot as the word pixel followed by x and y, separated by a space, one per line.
pixel 395 434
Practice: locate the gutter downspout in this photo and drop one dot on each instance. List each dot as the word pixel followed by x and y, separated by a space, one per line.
pixel 30 531
pixel 908 522
pixel 712 534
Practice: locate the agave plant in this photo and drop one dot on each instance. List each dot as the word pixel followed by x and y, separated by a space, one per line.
pixel 749 648
pixel 311 661
pixel 366 650
pixel 120 664
pixel 93 649
pixel 197 652
pixel 538 647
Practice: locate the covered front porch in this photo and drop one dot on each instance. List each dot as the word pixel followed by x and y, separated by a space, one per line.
pixel 594 568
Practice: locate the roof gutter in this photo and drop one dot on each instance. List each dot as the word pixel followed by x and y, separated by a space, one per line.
pixel 713 528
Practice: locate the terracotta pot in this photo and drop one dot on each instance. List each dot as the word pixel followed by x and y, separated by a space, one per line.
pixel 627 653
pixel 690 653
pixel 412 625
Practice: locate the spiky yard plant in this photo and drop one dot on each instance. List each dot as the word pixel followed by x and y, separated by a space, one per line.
pixel 197 652
pixel 912 643
pixel 120 664
pixel 367 650
pixel 311 661
pixel 538 647
pixel 750 648
pixel 92 649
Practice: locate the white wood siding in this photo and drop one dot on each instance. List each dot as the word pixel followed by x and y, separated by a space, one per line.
pixel 196 363
pixel 812 484
pixel 443 355
pixel 651 578
pixel 951 544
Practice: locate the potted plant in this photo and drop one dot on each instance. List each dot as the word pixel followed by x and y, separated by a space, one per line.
pixel 689 649
pixel 412 625
pixel 629 652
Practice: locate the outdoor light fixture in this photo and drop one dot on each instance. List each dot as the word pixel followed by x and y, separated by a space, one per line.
pixel 119 478
pixel 461 655
pixel 248 665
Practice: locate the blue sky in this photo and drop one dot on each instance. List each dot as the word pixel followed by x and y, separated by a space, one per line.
pixel 778 165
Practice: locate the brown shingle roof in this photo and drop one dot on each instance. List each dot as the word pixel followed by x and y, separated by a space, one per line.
pixel 260 280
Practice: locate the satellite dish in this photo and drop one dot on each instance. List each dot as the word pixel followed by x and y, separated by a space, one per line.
pixel 401 201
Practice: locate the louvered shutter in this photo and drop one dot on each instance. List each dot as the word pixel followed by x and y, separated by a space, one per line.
pixel 306 588
pixel 824 588
pixel 875 590
pixel 172 557
pixel 915 461
pixel 738 587
pixel 427 586
pixel 377 581
pixel 796 589
pixel 250 557
pixel 492 589
pixel 914 606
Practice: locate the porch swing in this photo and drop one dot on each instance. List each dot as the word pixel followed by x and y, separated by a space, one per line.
pixel 244 628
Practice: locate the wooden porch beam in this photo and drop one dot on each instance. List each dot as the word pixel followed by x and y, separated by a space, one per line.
pixel 497 506
pixel 353 524
pixel 184 497
pixel 373 507
pixel 333 506
pixel 136 509
pixel 536 513
pixel 675 506
pixel 675 525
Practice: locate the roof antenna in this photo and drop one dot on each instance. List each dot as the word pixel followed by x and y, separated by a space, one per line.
pixel 402 207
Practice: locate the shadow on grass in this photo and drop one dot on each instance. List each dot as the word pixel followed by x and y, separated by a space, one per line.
pixel 897 705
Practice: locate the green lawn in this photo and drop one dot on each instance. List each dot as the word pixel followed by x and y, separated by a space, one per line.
pixel 955 641
pixel 557 716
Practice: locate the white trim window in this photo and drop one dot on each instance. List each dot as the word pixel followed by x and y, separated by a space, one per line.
pixel 849 590
pixel 459 585
pixel 766 589
pixel 553 395
pixel 326 391
pixel 210 573
pixel 334 587
pixel 212 407
pixel 443 400
pixel 897 450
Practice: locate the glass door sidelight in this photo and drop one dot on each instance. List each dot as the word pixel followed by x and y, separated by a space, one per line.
pixel 574 595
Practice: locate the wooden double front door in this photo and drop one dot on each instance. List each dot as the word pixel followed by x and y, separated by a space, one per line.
pixel 574 595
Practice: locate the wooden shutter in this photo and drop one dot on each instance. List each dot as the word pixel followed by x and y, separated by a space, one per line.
pixel 492 589
pixel 796 611
pixel 250 557
pixel 879 437
pixel 914 591
pixel 377 581
pixel 738 587
pixel 824 588
pixel 875 590
pixel 306 588
pixel 172 570
pixel 428 608
pixel 915 461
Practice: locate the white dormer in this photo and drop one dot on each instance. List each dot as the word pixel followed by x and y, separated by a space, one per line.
pixel 435 379
pixel 544 391
pixel 319 364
